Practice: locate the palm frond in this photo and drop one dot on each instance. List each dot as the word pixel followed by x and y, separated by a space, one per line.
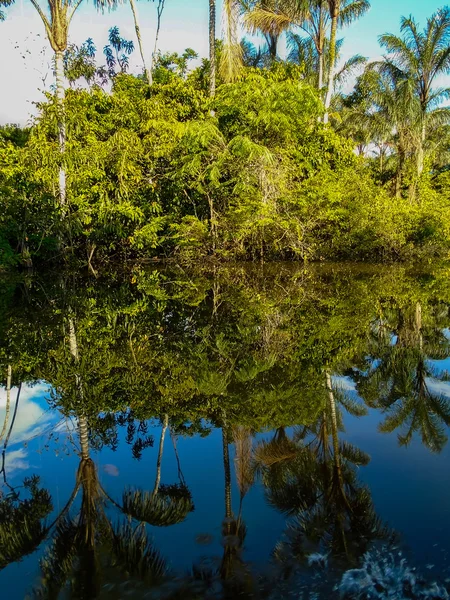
pixel 134 554
pixel 160 510
pixel 230 65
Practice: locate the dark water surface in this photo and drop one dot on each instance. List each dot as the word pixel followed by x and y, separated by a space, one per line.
pixel 243 432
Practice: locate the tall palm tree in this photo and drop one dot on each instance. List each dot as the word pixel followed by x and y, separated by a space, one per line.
pixel 212 47
pixel 421 56
pixel 342 12
pixel 387 112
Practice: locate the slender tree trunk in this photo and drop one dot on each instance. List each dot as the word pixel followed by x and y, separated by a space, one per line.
pixel 332 58
pixel 8 401
pixel 83 431
pixel 320 83
pixel 212 47
pixel 147 71
pixel 227 472
pixel 60 95
pixel 83 427
pixel 159 10
pixel 418 324
pixel 320 45
pixel 399 175
pixel 421 150
pixel 160 455
pixel 335 437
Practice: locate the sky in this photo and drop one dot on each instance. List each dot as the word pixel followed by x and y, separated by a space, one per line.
pixel 25 67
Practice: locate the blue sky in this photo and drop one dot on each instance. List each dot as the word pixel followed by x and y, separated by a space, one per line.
pixel 26 58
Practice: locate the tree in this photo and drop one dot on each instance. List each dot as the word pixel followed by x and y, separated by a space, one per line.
pixel 342 12
pixel 212 47
pixel 57 24
pixel 117 52
pixel 421 57
pixel 313 19
pixel 399 380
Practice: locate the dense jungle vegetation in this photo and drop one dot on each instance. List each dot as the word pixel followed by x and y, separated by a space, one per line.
pixel 245 156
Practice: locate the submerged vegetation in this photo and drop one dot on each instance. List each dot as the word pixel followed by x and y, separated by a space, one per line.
pixel 247 156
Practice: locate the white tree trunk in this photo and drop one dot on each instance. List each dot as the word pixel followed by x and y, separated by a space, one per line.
pixel 8 401
pixel 60 95
pixel 147 71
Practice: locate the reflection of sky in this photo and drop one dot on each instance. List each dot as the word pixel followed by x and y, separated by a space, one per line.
pixel 410 487
pixel 33 419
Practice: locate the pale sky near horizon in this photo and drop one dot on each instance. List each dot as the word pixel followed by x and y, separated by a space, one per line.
pixel 25 64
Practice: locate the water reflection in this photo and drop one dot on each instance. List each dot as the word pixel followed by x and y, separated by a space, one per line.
pixel 274 362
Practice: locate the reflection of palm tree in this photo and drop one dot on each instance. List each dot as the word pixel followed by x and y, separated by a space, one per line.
pixel 397 380
pixel 331 511
pixel 167 504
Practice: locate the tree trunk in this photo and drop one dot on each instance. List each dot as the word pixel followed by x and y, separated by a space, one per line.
pixel 8 401
pixel 83 431
pixel 320 46
pixel 159 10
pixel 335 436
pixel 227 472
pixel 83 428
pixel 147 71
pixel 60 95
pixel 160 455
pixel 332 59
pixel 421 150
pixel 320 83
pixel 212 47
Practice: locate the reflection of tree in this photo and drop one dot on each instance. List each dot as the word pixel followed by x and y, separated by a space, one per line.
pixel 313 479
pixel 398 378
pixel 22 526
pixel 8 402
pixel 86 547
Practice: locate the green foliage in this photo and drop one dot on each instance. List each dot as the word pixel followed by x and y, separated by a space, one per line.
pixel 167 171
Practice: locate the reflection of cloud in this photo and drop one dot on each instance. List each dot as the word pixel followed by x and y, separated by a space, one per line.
pixel 344 383
pixel 16 460
pixel 440 388
pixel 32 418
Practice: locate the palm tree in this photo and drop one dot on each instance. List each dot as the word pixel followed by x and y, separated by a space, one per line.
pixel 313 19
pixel 342 12
pixel 387 112
pixel 212 47
pixel 421 57
pixel 303 51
